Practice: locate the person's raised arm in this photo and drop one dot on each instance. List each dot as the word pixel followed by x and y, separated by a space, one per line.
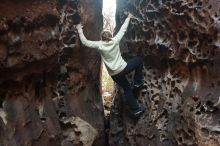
pixel 88 43
pixel 123 28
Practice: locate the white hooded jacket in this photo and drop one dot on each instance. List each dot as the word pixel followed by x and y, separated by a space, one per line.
pixel 109 51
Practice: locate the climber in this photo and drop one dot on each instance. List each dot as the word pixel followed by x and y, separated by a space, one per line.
pixel 108 47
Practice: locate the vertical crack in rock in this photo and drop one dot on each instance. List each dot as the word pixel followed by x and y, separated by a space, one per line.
pixel 180 44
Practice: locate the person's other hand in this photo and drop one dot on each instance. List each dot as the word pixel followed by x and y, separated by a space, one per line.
pixel 79 26
pixel 130 15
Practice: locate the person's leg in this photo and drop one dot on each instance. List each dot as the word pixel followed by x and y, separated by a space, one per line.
pixel 122 81
pixel 138 76
pixel 136 64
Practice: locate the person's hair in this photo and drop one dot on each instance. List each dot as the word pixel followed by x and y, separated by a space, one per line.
pixel 106 35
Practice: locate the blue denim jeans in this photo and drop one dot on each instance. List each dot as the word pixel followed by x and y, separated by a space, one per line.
pixel 136 64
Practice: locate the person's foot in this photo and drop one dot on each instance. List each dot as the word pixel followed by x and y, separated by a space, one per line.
pixel 139 111
pixel 136 89
pixel 138 84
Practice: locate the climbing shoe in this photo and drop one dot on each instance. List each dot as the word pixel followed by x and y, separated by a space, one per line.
pixel 136 90
pixel 139 111
pixel 138 84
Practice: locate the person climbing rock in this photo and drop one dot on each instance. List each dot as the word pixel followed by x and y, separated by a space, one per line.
pixel 117 67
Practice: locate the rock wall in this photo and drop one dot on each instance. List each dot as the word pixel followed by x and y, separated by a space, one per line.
pixel 49 82
pixel 49 93
pixel 180 43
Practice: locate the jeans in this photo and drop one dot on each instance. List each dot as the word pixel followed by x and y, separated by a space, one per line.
pixel 136 64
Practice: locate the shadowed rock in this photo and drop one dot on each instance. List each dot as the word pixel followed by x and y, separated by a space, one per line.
pixel 45 76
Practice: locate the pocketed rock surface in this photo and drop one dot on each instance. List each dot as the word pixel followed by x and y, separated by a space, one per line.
pixel 179 41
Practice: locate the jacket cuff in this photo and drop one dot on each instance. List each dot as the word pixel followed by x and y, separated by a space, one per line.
pixel 80 30
pixel 127 19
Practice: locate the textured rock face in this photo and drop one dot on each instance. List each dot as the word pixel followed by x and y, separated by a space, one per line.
pixel 180 43
pixel 49 83
pixel 45 79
